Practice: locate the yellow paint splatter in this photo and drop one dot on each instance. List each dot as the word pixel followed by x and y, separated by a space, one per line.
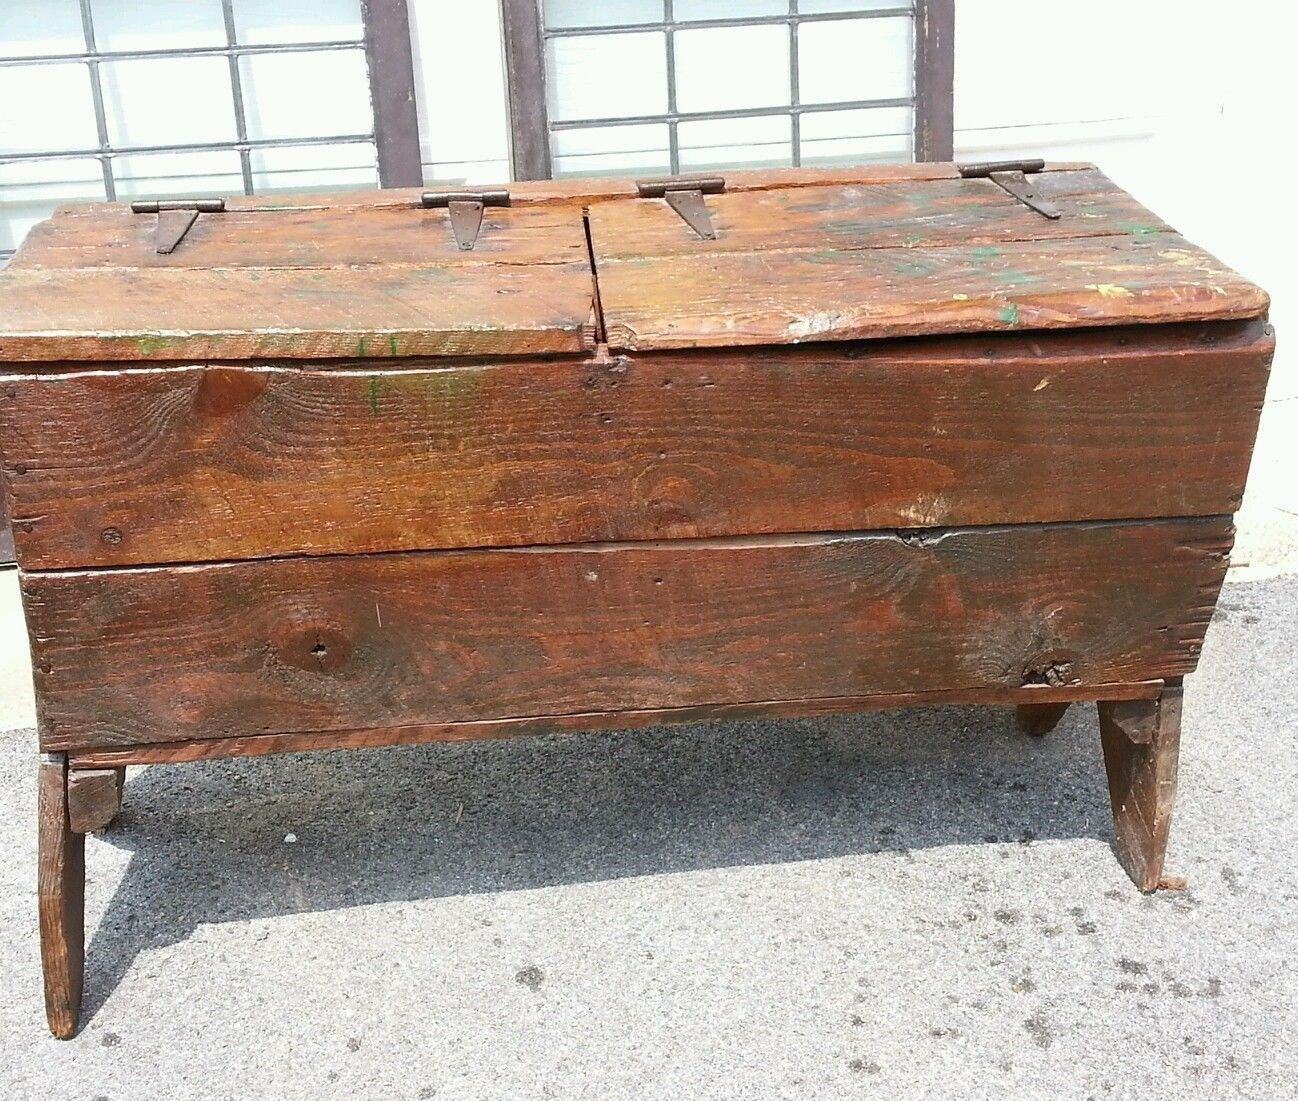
pixel 1110 290
pixel 1042 384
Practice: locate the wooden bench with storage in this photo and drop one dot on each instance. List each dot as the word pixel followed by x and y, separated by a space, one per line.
pixel 355 470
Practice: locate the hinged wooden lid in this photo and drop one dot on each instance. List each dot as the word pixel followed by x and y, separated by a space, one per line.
pixel 237 281
pixel 998 250
pixel 778 257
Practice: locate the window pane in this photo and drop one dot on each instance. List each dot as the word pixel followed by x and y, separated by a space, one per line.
pixel 617 150
pixel 29 28
pixel 306 95
pixel 736 143
pixel 852 59
pixel 178 175
pixel 168 101
pixel 607 76
pixel 721 68
pixel 686 10
pixel 33 189
pixel 856 137
pixel 267 22
pixel 158 25
pixel 314 167
pixel 65 118
pixel 816 7
pixel 601 13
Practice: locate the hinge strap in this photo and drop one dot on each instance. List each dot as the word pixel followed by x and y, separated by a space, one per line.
pixel 1012 177
pixel 175 216
pixel 465 210
pixel 684 194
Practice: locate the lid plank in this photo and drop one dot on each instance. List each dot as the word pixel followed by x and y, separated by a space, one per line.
pixel 335 282
pixel 852 262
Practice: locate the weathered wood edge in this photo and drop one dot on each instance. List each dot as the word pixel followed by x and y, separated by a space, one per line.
pixel 576 191
pixel 263 744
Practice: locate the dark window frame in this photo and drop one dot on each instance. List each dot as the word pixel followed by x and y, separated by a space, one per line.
pixel 530 129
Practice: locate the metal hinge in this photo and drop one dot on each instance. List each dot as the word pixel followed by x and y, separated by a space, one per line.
pixel 175 216
pixel 1011 176
pixel 465 209
pixel 684 194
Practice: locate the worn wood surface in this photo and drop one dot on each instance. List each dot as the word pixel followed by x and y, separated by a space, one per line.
pixel 261 745
pixel 221 462
pixel 824 292
pixel 94 797
pixel 1039 719
pixel 1141 746
pixel 322 239
pixel 164 654
pixel 852 217
pixel 379 311
pixel 577 191
pixel 60 888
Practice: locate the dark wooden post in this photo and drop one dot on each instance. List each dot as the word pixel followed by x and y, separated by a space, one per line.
pixel 934 80
pixel 1142 740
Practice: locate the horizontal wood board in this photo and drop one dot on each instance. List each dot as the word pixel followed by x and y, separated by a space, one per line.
pixel 910 258
pixel 205 463
pixel 153 655
pixel 355 282
pixel 260 745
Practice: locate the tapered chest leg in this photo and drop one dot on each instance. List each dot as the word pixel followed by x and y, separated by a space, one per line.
pixel 1039 718
pixel 1141 740
pixel 60 879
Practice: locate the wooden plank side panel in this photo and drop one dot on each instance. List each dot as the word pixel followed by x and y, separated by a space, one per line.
pixel 904 214
pixel 789 297
pixel 210 463
pixel 234 650
pixel 149 753
pixel 229 313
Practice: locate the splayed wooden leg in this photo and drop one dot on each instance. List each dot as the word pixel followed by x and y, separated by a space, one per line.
pixel 1141 741
pixel 1039 718
pixel 60 877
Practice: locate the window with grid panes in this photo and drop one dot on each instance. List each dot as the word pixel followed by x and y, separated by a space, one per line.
pixel 120 99
pixel 653 86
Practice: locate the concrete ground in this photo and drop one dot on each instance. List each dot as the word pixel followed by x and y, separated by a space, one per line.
pixel 901 905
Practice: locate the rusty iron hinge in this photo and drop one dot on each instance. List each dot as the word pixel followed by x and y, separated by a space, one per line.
pixel 1012 176
pixel 465 209
pixel 175 216
pixel 684 194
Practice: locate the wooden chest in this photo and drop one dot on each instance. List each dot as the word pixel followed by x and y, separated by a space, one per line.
pixel 370 469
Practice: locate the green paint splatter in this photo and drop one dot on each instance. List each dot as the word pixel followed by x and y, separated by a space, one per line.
pixel 374 393
pixel 1017 277
pixel 392 345
pixel 1010 313
pixel 150 344
pixel 360 348
pixel 824 256
pixel 913 239
pixel 1139 229
pixel 986 252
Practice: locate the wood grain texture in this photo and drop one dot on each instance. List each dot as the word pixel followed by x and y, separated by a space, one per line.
pixel 379 311
pixel 1142 773
pixel 94 798
pixel 222 462
pixel 833 293
pixel 904 214
pixel 261 745
pixel 60 889
pixel 324 239
pixel 232 650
